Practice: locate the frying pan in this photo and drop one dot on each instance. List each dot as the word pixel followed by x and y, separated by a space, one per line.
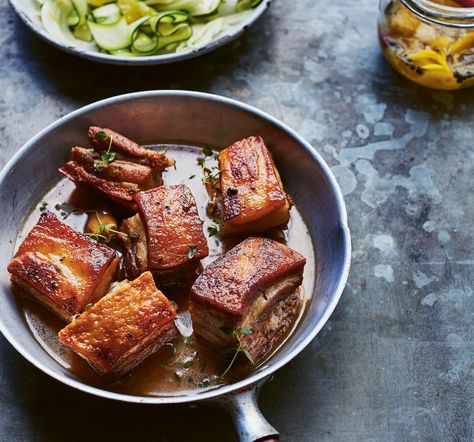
pixel 195 118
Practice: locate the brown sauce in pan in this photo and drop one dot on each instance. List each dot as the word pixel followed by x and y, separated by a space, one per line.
pixel 186 365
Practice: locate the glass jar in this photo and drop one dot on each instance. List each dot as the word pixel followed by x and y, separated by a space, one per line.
pixel 431 43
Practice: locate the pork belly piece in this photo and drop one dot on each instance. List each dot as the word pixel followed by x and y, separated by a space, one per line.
pixel 120 193
pixel 61 268
pixel 124 327
pixel 252 192
pixel 115 166
pixel 166 236
pixel 99 139
pixel 253 286
pixel 118 170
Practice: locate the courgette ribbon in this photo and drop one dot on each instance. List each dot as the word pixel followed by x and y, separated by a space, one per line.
pixel 136 27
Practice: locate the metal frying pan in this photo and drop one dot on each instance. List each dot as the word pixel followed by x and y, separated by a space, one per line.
pixel 198 118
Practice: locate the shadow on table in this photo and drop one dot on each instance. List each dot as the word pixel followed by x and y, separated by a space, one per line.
pixel 55 412
pixel 85 81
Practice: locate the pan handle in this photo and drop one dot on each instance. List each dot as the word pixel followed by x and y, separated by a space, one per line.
pixel 249 423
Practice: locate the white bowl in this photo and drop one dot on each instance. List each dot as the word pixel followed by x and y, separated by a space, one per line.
pixel 29 15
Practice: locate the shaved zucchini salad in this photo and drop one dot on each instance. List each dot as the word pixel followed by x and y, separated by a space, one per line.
pixel 141 27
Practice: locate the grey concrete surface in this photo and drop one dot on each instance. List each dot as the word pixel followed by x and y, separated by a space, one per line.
pixel 396 360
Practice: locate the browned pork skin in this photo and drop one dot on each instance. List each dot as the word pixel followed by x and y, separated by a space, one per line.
pixel 118 170
pixel 251 286
pixel 61 268
pixel 127 148
pixel 251 188
pixel 166 236
pixel 128 324
pixel 130 169
pixel 120 193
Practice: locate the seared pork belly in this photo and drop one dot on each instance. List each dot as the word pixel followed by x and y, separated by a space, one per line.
pixel 128 324
pixel 115 166
pixel 252 192
pixel 118 170
pixel 61 268
pixel 99 139
pixel 166 236
pixel 253 286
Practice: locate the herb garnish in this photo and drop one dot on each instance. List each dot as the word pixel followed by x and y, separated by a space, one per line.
pixel 103 230
pixel 192 250
pixel 107 157
pixel 209 175
pixel 236 333
pixel 188 363
pixel 214 227
pixel 101 135
pixel 207 151
pixel 44 206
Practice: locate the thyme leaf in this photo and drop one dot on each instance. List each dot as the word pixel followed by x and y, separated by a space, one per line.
pixel 214 227
pixel 207 151
pixel 106 158
pixel 210 175
pixel 192 250
pixel 103 231
pixel 239 348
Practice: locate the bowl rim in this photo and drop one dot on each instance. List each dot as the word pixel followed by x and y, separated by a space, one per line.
pixel 273 365
pixel 173 57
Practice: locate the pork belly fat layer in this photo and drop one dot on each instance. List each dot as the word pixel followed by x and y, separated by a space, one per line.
pixel 135 246
pixel 173 227
pixel 62 268
pixel 252 192
pixel 233 282
pixel 99 139
pixel 118 170
pixel 119 192
pixel 207 321
pixel 123 328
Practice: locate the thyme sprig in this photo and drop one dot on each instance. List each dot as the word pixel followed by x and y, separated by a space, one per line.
pixel 239 348
pixel 192 250
pixel 107 157
pixel 209 175
pixel 214 227
pixel 103 230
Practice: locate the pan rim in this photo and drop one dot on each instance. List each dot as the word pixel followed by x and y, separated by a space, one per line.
pixel 272 366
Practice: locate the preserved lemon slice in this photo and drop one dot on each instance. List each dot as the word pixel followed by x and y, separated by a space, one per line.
pixel 441 43
pixel 463 43
pixel 426 56
pixel 132 10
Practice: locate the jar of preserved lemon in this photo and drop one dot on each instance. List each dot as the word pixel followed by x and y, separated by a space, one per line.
pixel 429 42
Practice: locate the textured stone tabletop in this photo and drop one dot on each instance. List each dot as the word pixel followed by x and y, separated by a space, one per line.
pixel 396 360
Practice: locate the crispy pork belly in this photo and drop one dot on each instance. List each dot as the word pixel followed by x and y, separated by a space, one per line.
pixel 115 166
pixel 61 268
pixel 118 170
pixel 166 235
pixel 127 149
pixel 254 286
pixel 252 192
pixel 120 193
pixel 128 324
